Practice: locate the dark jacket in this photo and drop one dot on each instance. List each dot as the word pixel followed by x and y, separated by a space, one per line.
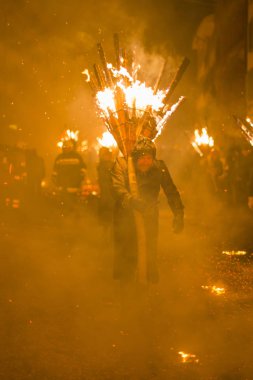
pixel 149 185
pixel 69 170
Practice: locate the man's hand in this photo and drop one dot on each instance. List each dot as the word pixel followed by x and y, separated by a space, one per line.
pixel 178 223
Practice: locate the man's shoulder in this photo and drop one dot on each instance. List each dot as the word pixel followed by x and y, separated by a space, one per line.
pixel 160 165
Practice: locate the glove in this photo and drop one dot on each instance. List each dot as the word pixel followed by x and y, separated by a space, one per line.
pixel 138 204
pixel 178 223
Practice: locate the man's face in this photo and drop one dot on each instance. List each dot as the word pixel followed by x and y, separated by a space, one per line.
pixel 144 163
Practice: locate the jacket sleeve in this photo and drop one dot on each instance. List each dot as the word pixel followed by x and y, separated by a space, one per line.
pixel 170 190
pixel 119 183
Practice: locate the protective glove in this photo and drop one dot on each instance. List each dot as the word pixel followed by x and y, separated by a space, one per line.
pixel 138 204
pixel 178 223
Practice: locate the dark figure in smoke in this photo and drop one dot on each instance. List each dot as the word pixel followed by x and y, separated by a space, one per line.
pixel 35 172
pixel 151 175
pixel 106 201
pixel 69 172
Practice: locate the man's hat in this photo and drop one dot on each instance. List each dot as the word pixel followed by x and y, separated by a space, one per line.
pixel 143 146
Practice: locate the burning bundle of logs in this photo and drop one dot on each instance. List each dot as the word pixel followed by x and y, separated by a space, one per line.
pixel 128 107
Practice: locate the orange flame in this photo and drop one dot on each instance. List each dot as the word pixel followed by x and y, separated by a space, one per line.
pixel 215 290
pixel 127 99
pixel 107 140
pixel 67 136
pixel 234 253
pixel 188 358
pixel 203 138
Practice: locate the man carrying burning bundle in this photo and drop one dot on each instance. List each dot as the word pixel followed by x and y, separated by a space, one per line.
pixel 151 174
pixel 135 114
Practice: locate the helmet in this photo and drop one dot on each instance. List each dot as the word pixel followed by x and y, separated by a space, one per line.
pixel 143 146
pixel 68 145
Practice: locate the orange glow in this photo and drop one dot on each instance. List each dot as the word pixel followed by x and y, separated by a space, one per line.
pixel 68 135
pixel 188 358
pixel 130 107
pixel 107 140
pixel 215 290
pixel 234 253
pixel 203 138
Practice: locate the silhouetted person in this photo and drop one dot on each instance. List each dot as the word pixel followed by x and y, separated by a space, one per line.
pixel 152 174
pixel 35 172
pixel 106 200
pixel 18 177
pixel 68 173
pixel 239 166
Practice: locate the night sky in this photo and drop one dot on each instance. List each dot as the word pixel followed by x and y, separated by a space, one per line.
pixel 45 46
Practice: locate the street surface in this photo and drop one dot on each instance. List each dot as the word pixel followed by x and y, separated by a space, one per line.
pixel 64 317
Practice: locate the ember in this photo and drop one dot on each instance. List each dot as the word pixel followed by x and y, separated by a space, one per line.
pixel 234 253
pixel 188 358
pixel 214 289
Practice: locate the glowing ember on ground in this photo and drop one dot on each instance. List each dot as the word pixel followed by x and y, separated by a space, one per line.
pixel 68 136
pixel 107 140
pixel 234 253
pixel 202 139
pixel 188 358
pixel 214 289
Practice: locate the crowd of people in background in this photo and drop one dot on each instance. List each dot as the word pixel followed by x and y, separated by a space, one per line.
pixel 227 176
pixel 21 174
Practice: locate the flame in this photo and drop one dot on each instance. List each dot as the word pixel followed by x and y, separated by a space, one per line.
pixel 86 72
pixel 67 136
pixel 214 289
pixel 128 94
pixel 167 115
pixel 136 94
pixel 202 139
pixel 186 358
pixel 247 131
pixel 234 253
pixel 249 121
pixel 107 140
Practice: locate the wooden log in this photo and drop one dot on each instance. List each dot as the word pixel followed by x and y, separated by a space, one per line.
pixel 140 228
